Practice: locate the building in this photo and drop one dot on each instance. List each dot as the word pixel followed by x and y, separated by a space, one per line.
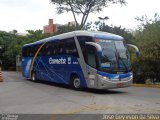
pixel 50 28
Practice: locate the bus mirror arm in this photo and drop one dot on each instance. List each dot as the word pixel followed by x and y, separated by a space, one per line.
pixel 1 49
pixel 97 46
pixel 135 48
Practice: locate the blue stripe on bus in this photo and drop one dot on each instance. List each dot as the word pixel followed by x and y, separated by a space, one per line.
pixel 26 63
pixel 115 76
pixel 56 68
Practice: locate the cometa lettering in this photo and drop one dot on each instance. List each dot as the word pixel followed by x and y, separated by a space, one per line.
pixel 57 61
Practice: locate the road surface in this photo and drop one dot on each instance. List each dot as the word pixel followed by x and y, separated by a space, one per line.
pixel 18 95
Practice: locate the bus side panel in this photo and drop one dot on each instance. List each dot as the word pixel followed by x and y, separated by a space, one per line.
pixel 47 72
pixel 26 63
pixel 38 68
pixel 58 68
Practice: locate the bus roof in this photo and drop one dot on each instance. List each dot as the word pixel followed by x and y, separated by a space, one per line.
pixel 96 34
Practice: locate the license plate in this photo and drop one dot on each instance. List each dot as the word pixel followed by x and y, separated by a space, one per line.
pixel 120 85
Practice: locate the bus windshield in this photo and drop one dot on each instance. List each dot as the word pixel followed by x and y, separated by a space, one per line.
pixel 115 55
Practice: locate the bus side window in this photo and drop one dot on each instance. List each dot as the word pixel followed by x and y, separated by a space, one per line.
pixel 82 40
pixel 24 51
pixel 55 49
pixel 35 49
pixel 51 47
pixel 70 47
pixel 91 56
pixel 47 49
pixel 60 47
pixel 30 51
pixel 40 52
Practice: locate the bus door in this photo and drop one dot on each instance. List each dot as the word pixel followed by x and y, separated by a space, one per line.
pixel 91 60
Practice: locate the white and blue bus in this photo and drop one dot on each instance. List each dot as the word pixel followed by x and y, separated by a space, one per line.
pixel 87 59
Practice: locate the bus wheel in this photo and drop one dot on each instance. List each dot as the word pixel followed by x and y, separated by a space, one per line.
pixel 33 77
pixel 75 83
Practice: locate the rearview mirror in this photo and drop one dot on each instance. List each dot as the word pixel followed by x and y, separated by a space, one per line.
pixel 135 48
pixel 97 46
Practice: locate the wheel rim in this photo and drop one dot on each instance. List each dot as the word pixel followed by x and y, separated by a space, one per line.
pixel 76 83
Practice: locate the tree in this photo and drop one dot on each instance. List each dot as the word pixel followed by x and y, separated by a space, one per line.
pixel 36 35
pixel 101 26
pixel 14 31
pixel 148 41
pixel 12 43
pixel 11 47
pixel 83 7
pixel 65 28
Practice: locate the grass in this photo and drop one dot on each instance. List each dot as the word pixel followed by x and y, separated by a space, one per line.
pixel 147 85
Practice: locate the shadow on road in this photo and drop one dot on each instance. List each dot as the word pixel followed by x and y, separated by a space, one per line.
pixel 96 91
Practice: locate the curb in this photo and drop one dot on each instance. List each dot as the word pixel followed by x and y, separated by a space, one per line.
pixel 144 85
pixel 1 77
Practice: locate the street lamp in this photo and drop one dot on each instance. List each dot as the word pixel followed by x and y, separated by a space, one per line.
pixel 103 18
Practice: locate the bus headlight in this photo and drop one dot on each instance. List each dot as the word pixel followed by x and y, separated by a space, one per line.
pixel 105 78
pixel 131 77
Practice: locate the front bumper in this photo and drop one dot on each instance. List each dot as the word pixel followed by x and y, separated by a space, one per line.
pixel 106 83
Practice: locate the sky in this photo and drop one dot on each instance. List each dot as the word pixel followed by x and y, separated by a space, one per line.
pixel 25 15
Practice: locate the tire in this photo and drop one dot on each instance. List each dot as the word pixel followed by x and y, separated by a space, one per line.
pixel 75 83
pixel 33 77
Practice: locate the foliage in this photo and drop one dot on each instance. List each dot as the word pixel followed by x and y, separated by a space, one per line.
pixel 83 7
pixel 146 37
pixel 10 47
pixel 12 43
pixel 36 35
pixel 119 31
pixel 65 28
pixel 148 41
pixel 101 26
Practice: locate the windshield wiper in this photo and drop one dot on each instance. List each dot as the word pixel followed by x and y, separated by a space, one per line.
pixel 119 58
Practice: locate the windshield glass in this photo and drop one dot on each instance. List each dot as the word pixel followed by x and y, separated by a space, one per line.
pixel 115 55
